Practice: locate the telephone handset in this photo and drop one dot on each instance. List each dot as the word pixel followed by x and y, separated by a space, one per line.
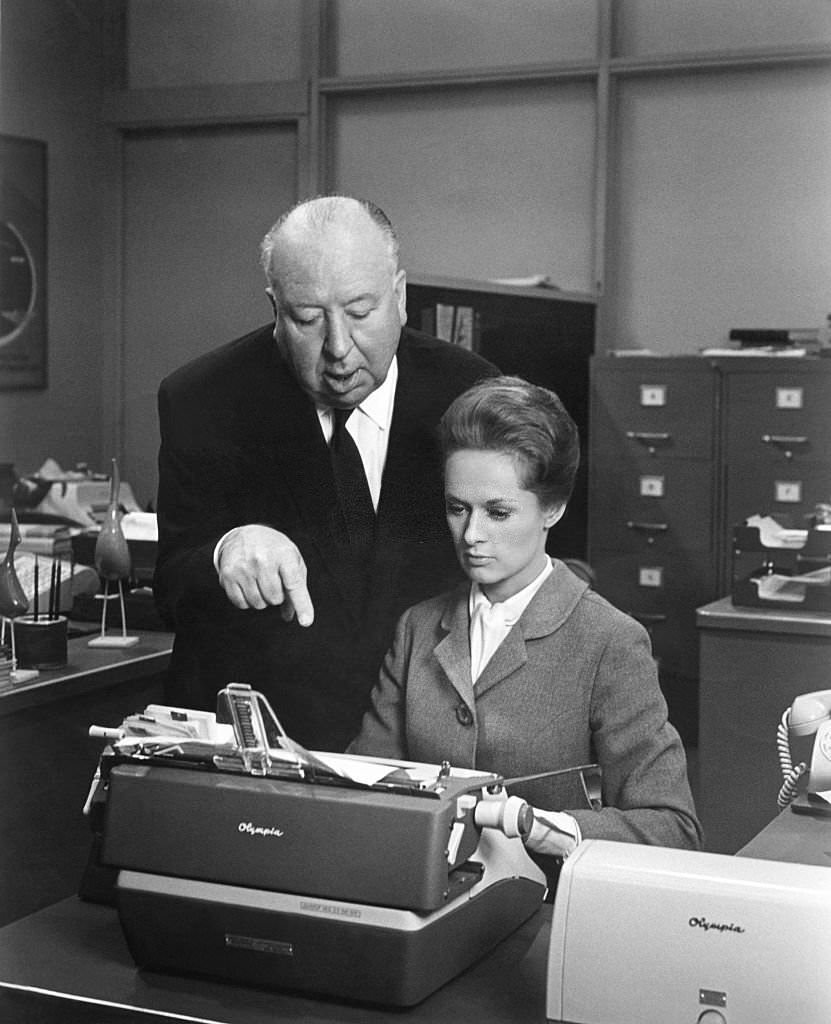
pixel 809 714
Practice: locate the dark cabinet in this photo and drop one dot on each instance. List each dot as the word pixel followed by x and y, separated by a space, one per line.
pixel 540 334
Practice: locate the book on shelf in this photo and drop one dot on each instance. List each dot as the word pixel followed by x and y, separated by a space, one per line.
pixel 39 538
pixel 761 336
pixel 454 324
pixel 6 665
pixel 69 580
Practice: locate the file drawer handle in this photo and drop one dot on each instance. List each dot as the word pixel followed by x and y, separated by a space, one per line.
pixel 649 528
pixel 649 618
pixel 783 439
pixel 646 436
pixel 650 439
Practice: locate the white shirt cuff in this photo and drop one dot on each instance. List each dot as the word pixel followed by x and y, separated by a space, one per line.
pixel 219 544
pixel 555 833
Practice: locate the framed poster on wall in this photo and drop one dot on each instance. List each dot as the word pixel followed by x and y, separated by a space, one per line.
pixel 22 263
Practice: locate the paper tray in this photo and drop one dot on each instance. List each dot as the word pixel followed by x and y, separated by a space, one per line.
pixel 794 578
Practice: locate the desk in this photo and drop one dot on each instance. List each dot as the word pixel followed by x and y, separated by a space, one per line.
pixel 91 668
pixel 795 838
pixel 753 662
pixel 76 949
pixel 69 964
pixel 47 760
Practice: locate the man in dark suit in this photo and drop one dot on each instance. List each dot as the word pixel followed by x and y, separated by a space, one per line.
pixel 274 569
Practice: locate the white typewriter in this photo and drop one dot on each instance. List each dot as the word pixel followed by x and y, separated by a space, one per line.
pixel 649 935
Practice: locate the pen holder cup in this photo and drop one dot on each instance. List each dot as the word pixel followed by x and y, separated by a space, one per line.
pixel 41 642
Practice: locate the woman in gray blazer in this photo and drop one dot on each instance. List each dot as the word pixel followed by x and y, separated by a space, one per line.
pixel 525 669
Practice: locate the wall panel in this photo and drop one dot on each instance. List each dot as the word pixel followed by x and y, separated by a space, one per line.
pixel 724 206
pixel 649 27
pixel 372 37
pixel 484 184
pixel 212 42
pixel 191 258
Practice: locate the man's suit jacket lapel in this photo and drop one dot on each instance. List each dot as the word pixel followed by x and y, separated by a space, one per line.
pixel 288 422
pixel 288 417
pixel 408 462
pixel 406 512
pixel 301 451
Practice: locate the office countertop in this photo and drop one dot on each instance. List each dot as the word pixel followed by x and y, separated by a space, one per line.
pixel 69 964
pixel 723 614
pixel 76 951
pixel 793 837
pixel 89 668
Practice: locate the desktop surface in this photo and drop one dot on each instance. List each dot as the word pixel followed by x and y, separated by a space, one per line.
pixel 91 668
pixel 73 954
pixel 47 760
pixel 69 964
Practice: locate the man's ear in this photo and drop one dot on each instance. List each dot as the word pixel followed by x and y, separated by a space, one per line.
pixel 270 293
pixel 400 288
pixel 554 515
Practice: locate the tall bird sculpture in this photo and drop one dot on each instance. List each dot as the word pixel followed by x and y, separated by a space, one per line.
pixel 112 563
pixel 13 600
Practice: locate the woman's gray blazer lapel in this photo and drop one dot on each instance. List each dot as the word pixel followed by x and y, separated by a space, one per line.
pixel 453 651
pixel 548 610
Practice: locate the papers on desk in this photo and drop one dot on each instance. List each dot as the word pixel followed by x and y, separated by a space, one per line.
pixel 772 535
pixel 39 538
pixel 532 281
pixel 6 669
pixel 760 350
pixel 75 580
pixel 776 587
pixel 140 526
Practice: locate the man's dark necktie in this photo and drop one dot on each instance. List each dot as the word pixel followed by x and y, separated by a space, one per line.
pixel 352 486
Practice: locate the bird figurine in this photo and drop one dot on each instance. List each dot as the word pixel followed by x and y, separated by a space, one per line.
pixel 112 563
pixel 112 556
pixel 13 600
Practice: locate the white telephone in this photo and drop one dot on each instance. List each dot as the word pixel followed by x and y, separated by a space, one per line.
pixel 810 713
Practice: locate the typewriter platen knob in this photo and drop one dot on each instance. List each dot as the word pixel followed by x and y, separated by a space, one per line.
pixel 511 815
pixel 525 819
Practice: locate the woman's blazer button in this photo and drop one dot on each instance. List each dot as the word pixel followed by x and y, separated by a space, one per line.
pixel 464 715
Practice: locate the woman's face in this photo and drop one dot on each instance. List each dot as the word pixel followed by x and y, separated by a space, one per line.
pixel 499 527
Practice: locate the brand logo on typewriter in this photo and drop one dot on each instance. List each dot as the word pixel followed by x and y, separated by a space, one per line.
pixel 330 908
pixel 714 926
pixel 250 829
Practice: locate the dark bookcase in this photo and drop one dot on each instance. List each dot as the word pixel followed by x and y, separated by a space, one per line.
pixel 541 334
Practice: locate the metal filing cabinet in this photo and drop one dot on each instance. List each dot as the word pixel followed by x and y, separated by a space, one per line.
pixel 682 449
pixel 653 507
pixel 777 439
